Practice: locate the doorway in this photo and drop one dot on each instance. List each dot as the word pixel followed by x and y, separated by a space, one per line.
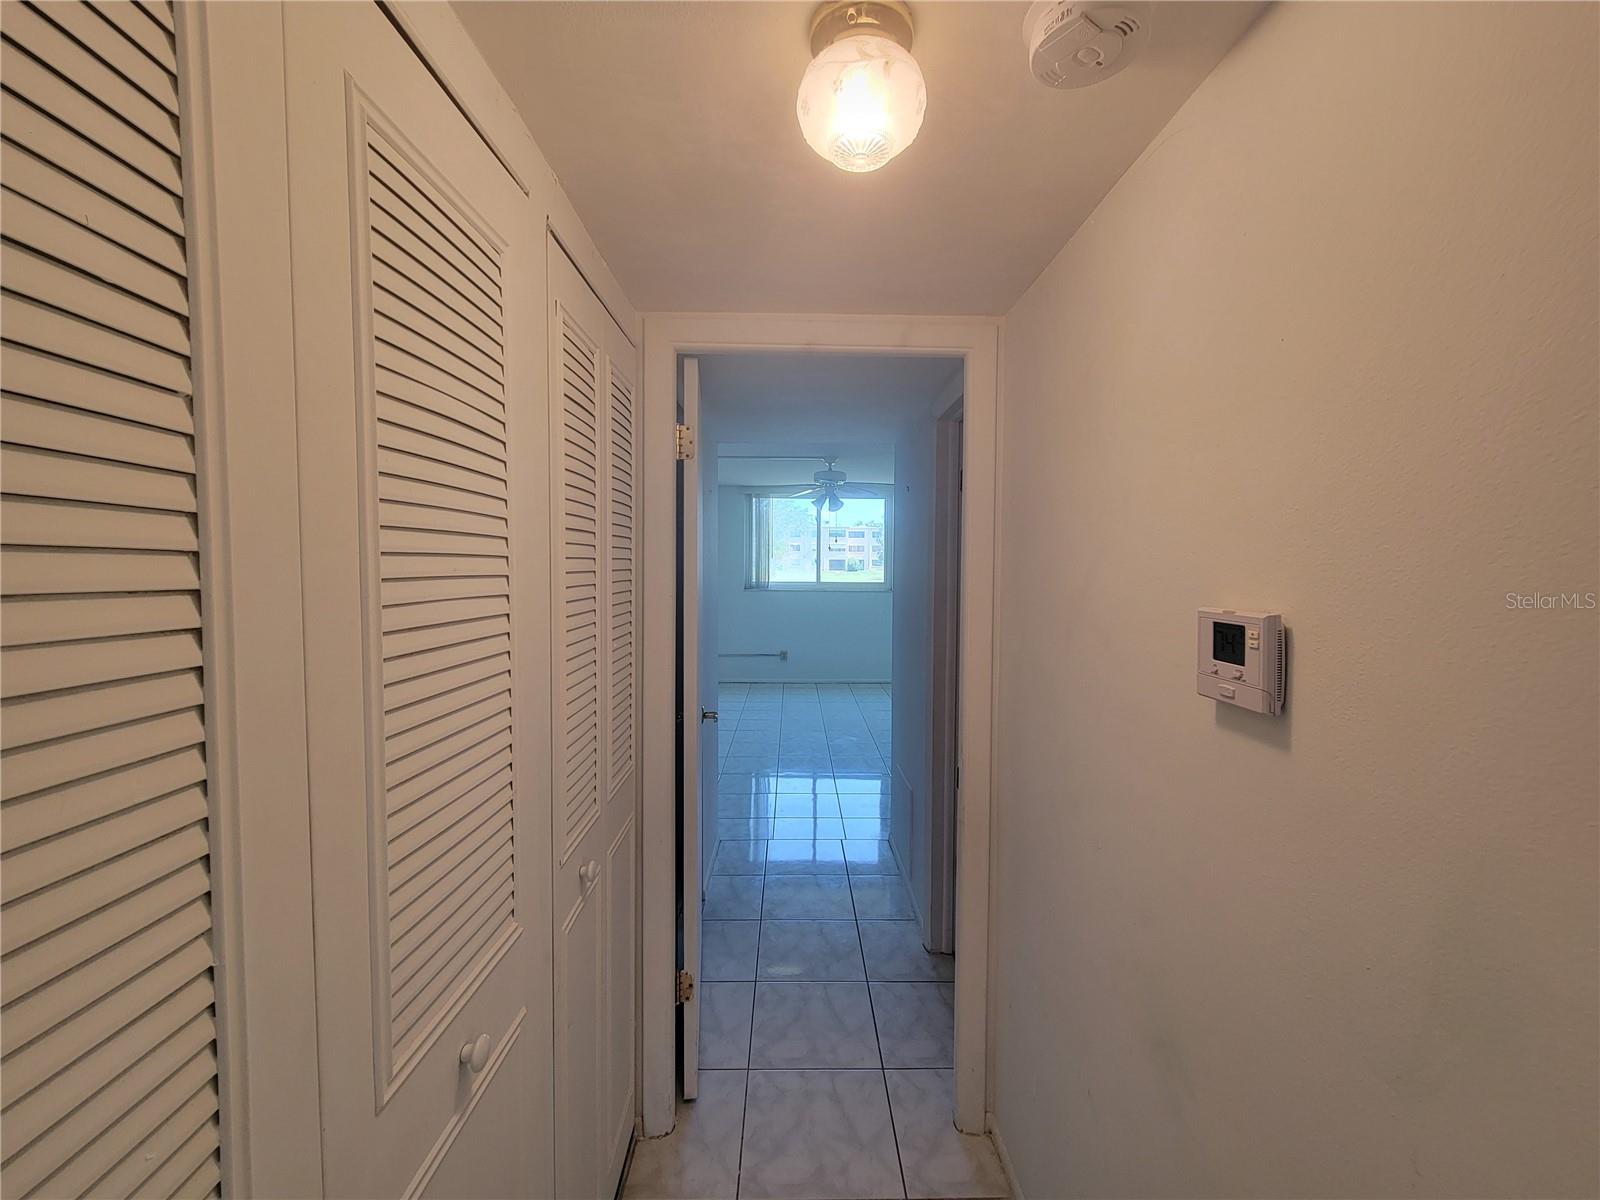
pixel 805 823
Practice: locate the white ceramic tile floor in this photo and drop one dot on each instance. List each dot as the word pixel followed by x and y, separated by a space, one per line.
pixel 826 1030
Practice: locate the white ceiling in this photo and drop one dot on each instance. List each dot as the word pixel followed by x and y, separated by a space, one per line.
pixel 816 403
pixel 771 466
pixel 672 127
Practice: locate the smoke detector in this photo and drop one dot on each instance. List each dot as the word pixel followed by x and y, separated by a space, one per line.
pixel 1072 45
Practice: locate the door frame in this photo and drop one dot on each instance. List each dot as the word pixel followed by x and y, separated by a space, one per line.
pixel 975 341
pixel 944 674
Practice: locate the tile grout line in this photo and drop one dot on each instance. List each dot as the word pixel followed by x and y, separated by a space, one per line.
pixel 744 1111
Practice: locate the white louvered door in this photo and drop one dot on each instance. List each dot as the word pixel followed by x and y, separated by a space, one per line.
pixel 419 352
pixel 593 438
pixel 108 1031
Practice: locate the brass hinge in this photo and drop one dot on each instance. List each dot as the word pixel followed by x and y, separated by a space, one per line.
pixel 683 441
pixel 685 987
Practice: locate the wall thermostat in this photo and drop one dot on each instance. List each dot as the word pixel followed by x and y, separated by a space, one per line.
pixel 1241 659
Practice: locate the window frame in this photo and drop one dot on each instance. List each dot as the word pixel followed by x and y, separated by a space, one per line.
pixel 880 491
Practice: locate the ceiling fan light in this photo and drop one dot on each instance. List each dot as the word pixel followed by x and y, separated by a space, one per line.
pixel 834 503
pixel 861 101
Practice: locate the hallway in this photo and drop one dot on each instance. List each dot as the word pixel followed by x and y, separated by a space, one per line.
pixel 826 1029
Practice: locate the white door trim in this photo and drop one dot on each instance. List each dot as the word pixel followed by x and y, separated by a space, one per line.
pixel 237 233
pixel 976 342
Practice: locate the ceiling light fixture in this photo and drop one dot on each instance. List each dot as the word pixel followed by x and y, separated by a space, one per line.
pixel 862 98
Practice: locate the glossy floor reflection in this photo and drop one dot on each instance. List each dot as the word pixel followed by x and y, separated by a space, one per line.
pixel 826 1030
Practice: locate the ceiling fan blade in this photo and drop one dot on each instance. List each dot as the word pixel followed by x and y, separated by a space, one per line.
pixel 852 491
pixel 802 494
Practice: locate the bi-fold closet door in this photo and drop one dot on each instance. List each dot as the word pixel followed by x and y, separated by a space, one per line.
pixel 109 1026
pixel 594 438
pixel 419 286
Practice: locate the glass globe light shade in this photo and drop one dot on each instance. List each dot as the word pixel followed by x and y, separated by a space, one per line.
pixel 861 102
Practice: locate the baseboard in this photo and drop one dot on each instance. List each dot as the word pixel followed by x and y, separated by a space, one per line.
pixel 1005 1159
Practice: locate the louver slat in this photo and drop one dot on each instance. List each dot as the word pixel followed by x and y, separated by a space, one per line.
pixel 441 575
pixel 106 974
pixel 620 557
pixel 579 653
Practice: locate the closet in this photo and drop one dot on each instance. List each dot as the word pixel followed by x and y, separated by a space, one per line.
pixel 593 411
pixel 418 294
pixel 109 1026
pixel 457 458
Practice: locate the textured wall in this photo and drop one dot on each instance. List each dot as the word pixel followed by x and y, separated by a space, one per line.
pixel 1329 347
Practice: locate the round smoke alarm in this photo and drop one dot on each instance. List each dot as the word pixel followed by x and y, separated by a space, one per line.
pixel 1073 45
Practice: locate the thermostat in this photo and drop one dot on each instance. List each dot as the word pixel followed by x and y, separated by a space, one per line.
pixel 1241 659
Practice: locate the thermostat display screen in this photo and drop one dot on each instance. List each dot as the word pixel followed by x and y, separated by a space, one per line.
pixel 1227 642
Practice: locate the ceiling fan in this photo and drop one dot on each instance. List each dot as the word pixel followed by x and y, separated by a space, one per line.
pixel 830 489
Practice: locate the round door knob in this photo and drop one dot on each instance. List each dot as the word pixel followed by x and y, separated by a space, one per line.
pixel 588 873
pixel 476 1053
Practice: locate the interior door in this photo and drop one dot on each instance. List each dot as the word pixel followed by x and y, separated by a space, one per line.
pixel 595 774
pixel 705 617
pixel 695 775
pixel 419 349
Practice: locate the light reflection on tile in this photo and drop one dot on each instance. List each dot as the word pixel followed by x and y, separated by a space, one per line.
pixel 740 858
pixel 859 829
pixel 812 951
pixel 805 857
pixel 803 798
pixel 804 827
pixel 871 858
pixel 881 898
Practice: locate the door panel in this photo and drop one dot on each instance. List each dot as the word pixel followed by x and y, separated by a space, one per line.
pixel 595 774
pixel 695 831
pixel 109 1036
pixel 617 1111
pixel 579 995
pixel 414 254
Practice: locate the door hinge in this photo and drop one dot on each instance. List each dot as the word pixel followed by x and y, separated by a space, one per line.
pixel 683 441
pixel 685 987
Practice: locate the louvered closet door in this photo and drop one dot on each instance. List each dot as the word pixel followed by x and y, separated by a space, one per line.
pixel 108 1031
pixel 593 439
pixel 416 270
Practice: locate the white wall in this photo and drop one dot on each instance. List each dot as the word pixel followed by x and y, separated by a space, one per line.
pixel 1329 347
pixel 831 636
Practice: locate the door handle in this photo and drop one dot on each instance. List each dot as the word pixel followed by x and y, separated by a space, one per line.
pixel 708 714
pixel 588 873
pixel 476 1053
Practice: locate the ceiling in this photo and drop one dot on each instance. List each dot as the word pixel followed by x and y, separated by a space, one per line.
pixel 672 127
pixel 816 403
pixel 772 466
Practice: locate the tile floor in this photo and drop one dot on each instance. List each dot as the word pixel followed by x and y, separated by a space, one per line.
pixel 826 1030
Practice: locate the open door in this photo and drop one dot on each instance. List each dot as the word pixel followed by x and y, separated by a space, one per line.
pixel 690 868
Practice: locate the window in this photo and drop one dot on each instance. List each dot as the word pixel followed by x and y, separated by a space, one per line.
pixel 796 545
